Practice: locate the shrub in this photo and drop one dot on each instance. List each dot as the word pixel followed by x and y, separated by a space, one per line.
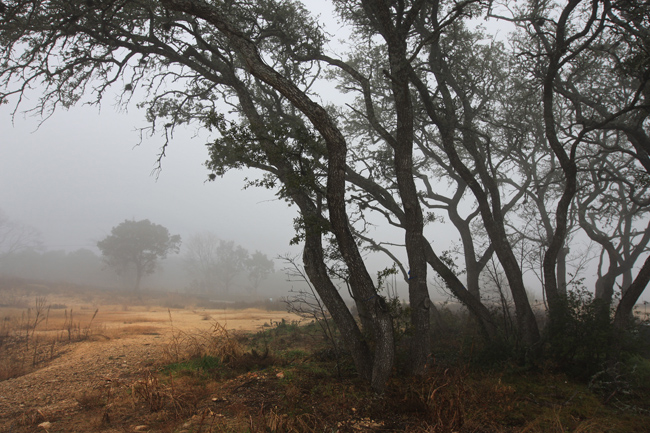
pixel 579 335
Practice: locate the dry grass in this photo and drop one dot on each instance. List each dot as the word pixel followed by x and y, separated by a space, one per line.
pixel 280 380
pixel 216 381
pixel 34 337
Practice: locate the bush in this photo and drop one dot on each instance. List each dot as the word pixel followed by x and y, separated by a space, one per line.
pixel 579 335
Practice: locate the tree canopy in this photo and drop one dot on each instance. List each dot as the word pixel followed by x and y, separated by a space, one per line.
pixel 524 148
pixel 16 237
pixel 134 248
pixel 214 264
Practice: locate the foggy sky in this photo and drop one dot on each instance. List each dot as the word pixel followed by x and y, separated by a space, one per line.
pixel 81 173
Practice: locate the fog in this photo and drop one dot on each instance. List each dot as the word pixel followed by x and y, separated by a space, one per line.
pixel 82 171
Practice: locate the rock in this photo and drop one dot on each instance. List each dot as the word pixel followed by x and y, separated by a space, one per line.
pixel 45 425
pixel 141 428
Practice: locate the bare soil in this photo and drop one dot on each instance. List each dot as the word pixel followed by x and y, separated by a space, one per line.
pixel 122 342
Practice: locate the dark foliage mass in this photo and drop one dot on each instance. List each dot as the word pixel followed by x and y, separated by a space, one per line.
pixel 134 248
pixel 524 148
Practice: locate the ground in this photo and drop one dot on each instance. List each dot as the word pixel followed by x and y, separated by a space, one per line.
pixel 123 342
pixel 73 360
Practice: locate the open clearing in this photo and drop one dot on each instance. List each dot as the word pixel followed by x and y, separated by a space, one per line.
pixel 88 351
pixel 104 361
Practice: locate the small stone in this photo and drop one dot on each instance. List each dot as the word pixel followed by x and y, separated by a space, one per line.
pixel 45 425
pixel 141 428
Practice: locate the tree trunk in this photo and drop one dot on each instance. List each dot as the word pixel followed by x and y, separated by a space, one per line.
pixel 631 296
pixel 561 272
pixel 377 323
pixel 350 333
pixel 138 277
pixel 360 281
pixel 402 144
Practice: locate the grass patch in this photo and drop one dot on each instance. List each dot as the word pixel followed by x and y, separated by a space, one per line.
pixel 205 366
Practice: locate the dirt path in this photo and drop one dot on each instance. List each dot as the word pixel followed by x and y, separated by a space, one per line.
pixel 51 392
pixel 126 344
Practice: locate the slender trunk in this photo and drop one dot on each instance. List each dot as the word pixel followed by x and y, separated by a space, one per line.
pixel 567 160
pixel 138 277
pixel 351 335
pixel 473 267
pixel 631 296
pixel 561 271
pixel 605 287
pixel 627 281
pixel 421 344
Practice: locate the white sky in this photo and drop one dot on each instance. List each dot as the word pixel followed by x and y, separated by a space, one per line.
pixel 80 173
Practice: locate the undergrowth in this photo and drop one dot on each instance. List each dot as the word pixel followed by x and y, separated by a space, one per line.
pixel 280 380
pixel 287 378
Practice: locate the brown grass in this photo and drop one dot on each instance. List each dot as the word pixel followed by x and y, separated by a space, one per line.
pixel 37 335
pixel 214 379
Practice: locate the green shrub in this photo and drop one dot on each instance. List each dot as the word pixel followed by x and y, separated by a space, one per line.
pixel 579 335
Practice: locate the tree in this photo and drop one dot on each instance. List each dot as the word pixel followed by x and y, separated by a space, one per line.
pixel 590 59
pixel 436 103
pixel 16 237
pixel 215 264
pixel 134 248
pixel 259 268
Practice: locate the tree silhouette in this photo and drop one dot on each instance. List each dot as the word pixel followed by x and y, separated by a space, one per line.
pixel 136 247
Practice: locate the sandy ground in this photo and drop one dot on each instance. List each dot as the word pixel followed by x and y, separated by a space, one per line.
pixel 122 343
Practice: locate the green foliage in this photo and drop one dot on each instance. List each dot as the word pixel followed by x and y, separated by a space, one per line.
pixel 579 334
pixel 203 366
pixel 383 275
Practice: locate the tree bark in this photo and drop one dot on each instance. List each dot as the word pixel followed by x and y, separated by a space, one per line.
pixel 360 281
pixel 350 332
pixel 631 296
pixel 402 144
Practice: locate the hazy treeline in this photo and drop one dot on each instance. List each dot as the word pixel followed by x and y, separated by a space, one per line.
pixel 80 267
pixel 85 267
pixel 207 266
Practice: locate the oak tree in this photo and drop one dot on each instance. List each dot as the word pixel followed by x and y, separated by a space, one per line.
pixel 134 248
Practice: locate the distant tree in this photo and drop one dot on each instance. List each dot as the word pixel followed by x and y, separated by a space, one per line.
pixel 200 260
pixel 215 264
pixel 136 247
pixel 259 268
pixel 231 262
pixel 16 237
